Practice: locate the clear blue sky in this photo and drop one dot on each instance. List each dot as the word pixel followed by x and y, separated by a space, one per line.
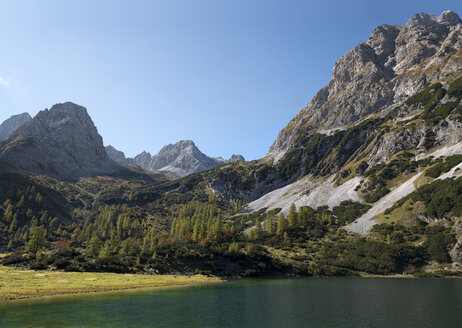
pixel 227 74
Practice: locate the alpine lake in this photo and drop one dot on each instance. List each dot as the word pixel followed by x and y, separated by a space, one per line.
pixel 297 302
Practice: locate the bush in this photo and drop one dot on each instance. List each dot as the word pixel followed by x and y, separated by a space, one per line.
pixel 347 211
pixel 438 241
pixel 441 197
pixel 443 166
pixel 455 89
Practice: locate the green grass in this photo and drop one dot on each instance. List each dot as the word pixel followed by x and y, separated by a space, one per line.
pixel 19 284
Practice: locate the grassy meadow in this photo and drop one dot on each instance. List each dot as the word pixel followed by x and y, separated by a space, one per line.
pixel 18 283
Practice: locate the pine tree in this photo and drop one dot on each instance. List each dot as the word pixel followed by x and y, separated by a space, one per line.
pixel 38 198
pixel 292 217
pixel 196 231
pixel 257 228
pixel 233 248
pixel 94 245
pixel 8 213
pixel 282 224
pixel 105 251
pixel 21 202
pixel 37 239
pixel 6 203
pixel 269 224
pixel 14 223
pixel 251 235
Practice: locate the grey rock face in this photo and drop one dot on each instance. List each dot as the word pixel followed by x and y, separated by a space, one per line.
pixel 11 124
pixel 182 158
pixel 62 142
pixel 115 154
pixel 143 160
pixel 236 158
pixel 448 17
pixel 394 63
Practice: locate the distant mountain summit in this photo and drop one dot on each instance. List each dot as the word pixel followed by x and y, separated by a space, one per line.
pixel 236 158
pixel 116 155
pixel 11 124
pixel 182 158
pixel 61 142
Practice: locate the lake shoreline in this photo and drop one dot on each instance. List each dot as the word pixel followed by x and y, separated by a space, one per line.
pixel 32 284
pixel 17 285
pixel 101 292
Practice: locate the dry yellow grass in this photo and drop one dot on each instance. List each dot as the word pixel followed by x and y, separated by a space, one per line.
pixel 18 284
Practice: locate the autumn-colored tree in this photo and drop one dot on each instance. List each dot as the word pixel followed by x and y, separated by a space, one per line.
pixel 282 224
pixel 292 217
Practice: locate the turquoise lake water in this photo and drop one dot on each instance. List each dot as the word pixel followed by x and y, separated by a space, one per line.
pixel 307 302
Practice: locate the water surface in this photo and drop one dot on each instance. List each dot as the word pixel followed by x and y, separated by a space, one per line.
pixel 310 302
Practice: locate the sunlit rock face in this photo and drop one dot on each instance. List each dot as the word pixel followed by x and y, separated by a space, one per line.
pixel 182 158
pixel 394 63
pixel 11 124
pixel 61 142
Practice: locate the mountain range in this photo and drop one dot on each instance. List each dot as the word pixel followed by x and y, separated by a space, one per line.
pixel 182 158
pixel 63 142
pixel 367 177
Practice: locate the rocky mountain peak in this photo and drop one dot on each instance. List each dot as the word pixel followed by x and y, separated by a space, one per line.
pixel 181 158
pixel 11 124
pixel 185 143
pixel 182 146
pixel 64 123
pixel 394 63
pixel 62 142
pixel 236 158
pixel 115 154
pixel 447 18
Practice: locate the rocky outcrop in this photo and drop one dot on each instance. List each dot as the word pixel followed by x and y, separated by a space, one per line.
pixel 182 158
pixel 116 155
pixel 142 160
pixel 11 124
pixel 236 158
pixel 394 63
pixel 61 142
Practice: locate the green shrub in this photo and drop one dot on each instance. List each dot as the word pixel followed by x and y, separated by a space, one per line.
pixel 347 211
pixel 441 197
pixel 455 89
pixel 428 96
pixel 443 166
pixel 438 240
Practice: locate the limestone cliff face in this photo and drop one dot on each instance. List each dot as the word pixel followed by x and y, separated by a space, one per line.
pixel 62 142
pixel 143 159
pixel 11 124
pixel 116 155
pixel 393 64
pixel 181 158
